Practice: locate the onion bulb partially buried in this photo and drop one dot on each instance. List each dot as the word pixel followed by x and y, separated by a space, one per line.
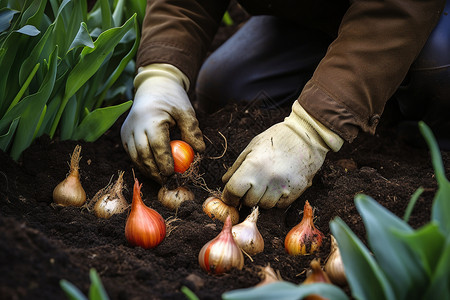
pixel 217 209
pixel 334 265
pixel 145 227
pixel 172 199
pixel 222 253
pixel 110 200
pixel 268 275
pixel 247 235
pixel 317 275
pixel 69 192
pixel 304 238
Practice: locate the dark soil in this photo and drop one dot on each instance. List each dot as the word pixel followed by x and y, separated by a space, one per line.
pixel 41 244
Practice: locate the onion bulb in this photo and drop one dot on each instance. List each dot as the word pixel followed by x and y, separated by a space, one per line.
pixel 247 235
pixel 69 192
pixel 110 200
pixel 304 238
pixel 221 254
pixel 334 265
pixel 172 199
pixel 317 275
pixel 268 275
pixel 183 155
pixel 145 227
pixel 217 209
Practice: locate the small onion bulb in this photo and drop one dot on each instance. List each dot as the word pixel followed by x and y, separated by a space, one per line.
pixel 304 238
pixel 334 265
pixel 221 254
pixel 172 199
pixel 110 200
pixel 69 192
pixel 217 209
pixel 183 155
pixel 317 275
pixel 145 227
pixel 247 235
pixel 268 275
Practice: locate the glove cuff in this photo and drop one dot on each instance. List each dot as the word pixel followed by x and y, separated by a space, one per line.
pixel 165 70
pixel 330 138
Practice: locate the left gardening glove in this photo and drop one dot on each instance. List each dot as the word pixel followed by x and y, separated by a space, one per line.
pixel 160 102
pixel 279 164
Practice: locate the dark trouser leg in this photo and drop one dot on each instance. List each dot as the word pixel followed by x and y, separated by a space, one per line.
pixel 267 57
pixel 425 94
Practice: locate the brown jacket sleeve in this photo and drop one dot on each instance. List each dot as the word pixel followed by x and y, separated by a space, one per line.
pixel 376 45
pixel 179 32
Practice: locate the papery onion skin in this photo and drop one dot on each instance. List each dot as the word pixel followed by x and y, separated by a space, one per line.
pixel 217 209
pixel 221 253
pixel 172 199
pixel 183 155
pixel 317 276
pixel 145 227
pixel 247 235
pixel 304 238
pixel 334 265
pixel 70 192
pixel 110 200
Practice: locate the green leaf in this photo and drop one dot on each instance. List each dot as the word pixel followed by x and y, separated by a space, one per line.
pixel 188 293
pixel 30 109
pixel 82 38
pixel 97 122
pixel 96 291
pixel 441 204
pixel 5 140
pixel 427 242
pixel 440 285
pixel 366 279
pixel 6 16
pixel 29 30
pixel 90 61
pixel 72 292
pixel 107 21
pixel 24 87
pixel 68 119
pixel 399 262
pixel 283 290
pixel 412 203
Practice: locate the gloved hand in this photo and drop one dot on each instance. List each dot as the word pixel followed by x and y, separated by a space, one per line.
pixel 279 164
pixel 160 103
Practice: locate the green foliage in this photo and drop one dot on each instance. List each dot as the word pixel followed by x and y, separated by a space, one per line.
pixel 65 70
pixel 402 263
pixel 96 291
pixel 406 263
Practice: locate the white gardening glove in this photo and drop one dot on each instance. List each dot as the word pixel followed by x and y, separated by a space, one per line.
pixel 160 103
pixel 279 164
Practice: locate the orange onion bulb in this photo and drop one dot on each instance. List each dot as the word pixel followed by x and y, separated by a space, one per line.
pixel 221 254
pixel 304 238
pixel 183 155
pixel 145 227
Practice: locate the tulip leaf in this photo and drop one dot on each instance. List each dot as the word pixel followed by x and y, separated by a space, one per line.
pixel 98 121
pixel 400 263
pixel 96 290
pixel 72 292
pixel 82 38
pixel 440 285
pixel 441 204
pixel 366 279
pixel 427 242
pixel 29 30
pixel 283 290
pixel 5 139
pixel 6 16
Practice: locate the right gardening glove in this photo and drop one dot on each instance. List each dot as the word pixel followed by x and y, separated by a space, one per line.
pixel 278 165
pixel 160 103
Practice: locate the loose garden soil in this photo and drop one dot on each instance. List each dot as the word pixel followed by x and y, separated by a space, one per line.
pixel 40 243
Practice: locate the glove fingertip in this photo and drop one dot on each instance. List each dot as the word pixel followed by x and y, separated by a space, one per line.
pixel 229 198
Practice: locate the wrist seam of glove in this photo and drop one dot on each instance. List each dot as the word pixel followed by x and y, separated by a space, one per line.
pixel 329 137
pixel 164 70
